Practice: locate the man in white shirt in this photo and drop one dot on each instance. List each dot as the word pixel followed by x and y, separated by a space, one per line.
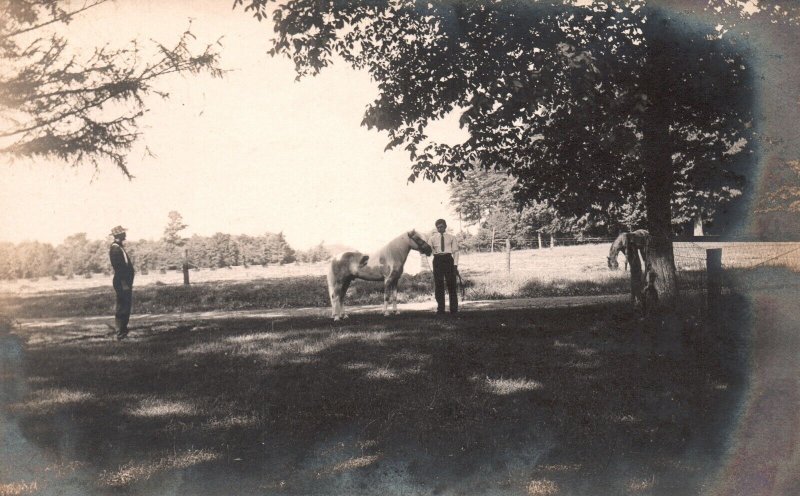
pixel 445 266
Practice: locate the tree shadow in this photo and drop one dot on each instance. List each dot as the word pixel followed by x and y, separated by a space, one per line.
pixel 548 401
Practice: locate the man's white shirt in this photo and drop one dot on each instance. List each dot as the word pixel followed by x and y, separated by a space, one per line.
pixel 450 245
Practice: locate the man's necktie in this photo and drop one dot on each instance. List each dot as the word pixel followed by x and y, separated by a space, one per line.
pixel 442 242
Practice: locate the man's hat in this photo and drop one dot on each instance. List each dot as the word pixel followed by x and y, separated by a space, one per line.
pixel 118 230
pixel 440 221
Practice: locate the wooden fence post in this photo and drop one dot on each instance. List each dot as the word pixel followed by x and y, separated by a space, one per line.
pixel 508 255
pixel 714 276
pixel 539 235
pixel 185 267
pixel 552 240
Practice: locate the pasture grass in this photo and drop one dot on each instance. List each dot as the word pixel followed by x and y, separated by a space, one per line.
pixel 580 401
pixel 560 271
pixel 311 291
pixel 298 292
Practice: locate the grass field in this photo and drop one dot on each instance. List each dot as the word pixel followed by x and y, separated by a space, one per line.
pixel 487 273
pixel 534 273
pixel 561 271
pixel 579 401
pixel 585 400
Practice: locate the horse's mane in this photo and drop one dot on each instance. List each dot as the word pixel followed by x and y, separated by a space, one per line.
pixel 633 238
pixel 619 245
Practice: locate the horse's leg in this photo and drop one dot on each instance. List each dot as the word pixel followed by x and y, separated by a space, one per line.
pixel 333 292
pixel 345 285
pixel 389 284
pixel 387 291
pixel 636 276
pixel 390 292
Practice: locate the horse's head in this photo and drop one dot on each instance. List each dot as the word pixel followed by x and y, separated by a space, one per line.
pixel 421 245
pixel 612 263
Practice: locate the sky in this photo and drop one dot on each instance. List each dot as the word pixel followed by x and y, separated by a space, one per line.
pixel 250 153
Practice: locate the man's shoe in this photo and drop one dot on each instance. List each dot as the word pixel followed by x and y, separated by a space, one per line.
pixel 122 336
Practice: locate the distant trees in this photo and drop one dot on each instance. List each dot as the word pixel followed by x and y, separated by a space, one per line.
pixel 79 256
pixel 491 201
pixel 779 205
pixel 314 254
pixel 58 103
pixel 487 199
pixel 172 233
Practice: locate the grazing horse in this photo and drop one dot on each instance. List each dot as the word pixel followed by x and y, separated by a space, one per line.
pixel 634 244
pixel 628 244
pixel 385 265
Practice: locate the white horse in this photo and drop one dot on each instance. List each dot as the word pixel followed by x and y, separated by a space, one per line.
pixel 385 265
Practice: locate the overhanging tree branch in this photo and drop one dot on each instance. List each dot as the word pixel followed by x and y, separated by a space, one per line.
pixel 54 106
pixel 64 17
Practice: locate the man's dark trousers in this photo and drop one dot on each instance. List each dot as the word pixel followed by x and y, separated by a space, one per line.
pixel 444 271
pixel 122 311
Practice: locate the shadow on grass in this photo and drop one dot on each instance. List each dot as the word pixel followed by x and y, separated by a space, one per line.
pixel 562 401
pixel 294 292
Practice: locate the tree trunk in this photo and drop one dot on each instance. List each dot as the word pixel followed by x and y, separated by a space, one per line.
pixel 657 156
pixel 659 256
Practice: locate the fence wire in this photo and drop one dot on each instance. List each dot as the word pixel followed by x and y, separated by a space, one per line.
pixel 744 264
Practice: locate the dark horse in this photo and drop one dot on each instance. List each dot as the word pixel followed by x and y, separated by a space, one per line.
pixel 629 244
pixel 385 265
pixel 633 245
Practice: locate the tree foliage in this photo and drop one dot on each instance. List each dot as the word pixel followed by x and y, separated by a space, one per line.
pixel 590 107
pixel 556 95
pixel 172 233
pixel 58 103
pixel 486 199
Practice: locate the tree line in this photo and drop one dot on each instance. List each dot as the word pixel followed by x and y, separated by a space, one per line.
pixel 77 255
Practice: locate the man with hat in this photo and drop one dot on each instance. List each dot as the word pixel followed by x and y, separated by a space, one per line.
pixel 123 281
pixel 445 266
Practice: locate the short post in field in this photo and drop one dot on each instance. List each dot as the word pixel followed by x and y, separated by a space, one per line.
pixel 508 255
pixel 714 276
pixel 539 235
pixel 185 267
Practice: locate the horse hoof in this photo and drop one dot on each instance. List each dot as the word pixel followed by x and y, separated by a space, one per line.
pixel 386 314
pixel 345 316
pixel 336 318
